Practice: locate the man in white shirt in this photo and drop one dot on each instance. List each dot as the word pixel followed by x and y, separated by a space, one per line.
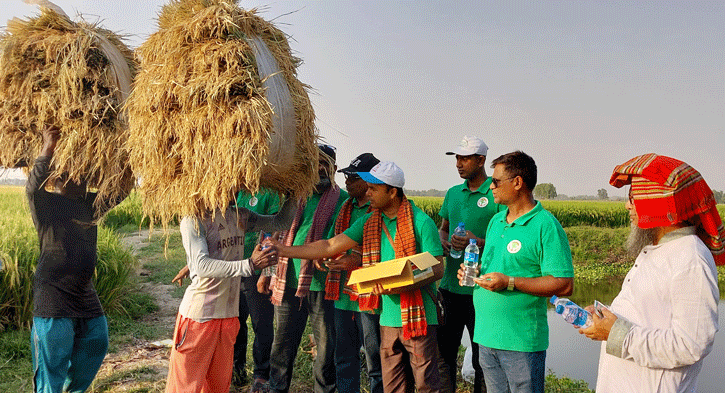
pixel 662 324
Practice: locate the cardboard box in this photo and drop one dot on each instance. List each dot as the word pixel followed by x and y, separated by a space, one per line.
pixel 394 273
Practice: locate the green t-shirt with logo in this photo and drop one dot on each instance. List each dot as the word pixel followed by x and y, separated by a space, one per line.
pixel 294 265
pixel 534 245
pixel 264 202
pixel 474 209
pixel 345 303
pixel 426 239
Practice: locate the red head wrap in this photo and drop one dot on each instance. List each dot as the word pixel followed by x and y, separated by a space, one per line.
pixel 666 191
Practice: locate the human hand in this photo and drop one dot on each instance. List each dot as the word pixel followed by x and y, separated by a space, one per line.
pixel 263 258
pixel 460 242
pixel 51 134
pixel 601 326
pixel 445 243
pixel 492 281
pixel 379 290
pixel 462 273
pixel 179 278
pixel 346 262
pixel 263 285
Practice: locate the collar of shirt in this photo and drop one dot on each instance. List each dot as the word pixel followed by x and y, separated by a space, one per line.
pixel 523 220
pixel 677 233
pixel 484 186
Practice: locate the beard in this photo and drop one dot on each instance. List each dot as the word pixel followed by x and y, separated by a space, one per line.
pixel 639 238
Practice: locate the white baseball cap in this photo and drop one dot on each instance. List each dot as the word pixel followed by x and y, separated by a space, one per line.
pixel 469 146
pixel 385 172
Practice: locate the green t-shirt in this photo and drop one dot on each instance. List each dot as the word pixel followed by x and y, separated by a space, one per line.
pixel 294 265
pixel 534 245
pixel 345 303
pixel 426 239
pixel 264 202
pixel 474 209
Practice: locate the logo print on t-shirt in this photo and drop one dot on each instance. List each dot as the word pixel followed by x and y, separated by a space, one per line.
pixel 514 246
pixel 483 202
pixel 221 227
pixel 253 201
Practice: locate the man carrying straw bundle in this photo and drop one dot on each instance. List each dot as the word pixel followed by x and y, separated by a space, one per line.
pixel 69 337
pixel 207 324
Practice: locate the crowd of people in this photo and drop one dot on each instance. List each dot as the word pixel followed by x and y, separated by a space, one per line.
pixel 654 335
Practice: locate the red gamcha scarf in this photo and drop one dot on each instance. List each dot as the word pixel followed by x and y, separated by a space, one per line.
pixel 666 191
pixel 412 308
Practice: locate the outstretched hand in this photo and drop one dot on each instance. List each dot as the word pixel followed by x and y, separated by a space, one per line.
pixel 262 258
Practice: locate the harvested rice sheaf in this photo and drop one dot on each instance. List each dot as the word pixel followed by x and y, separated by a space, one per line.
pixel 217 108
pixel 74 76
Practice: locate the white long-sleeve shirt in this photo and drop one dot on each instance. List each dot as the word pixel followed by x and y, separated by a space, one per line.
pixel 668 318
pixel 214 250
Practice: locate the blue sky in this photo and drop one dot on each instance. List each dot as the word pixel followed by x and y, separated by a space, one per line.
pixel 579 85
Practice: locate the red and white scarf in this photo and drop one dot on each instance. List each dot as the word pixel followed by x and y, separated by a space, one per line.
pixel 325 210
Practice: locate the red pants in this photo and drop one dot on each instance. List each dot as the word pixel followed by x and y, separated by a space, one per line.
pixel 202 357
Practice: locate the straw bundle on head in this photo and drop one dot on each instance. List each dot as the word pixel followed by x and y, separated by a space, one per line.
pixel 217 108
pixel 74 76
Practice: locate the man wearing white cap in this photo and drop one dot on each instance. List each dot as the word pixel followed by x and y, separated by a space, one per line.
pixel 395 228
pixel 470 203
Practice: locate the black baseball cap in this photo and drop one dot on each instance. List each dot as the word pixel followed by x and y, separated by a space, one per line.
pixel 362 163
pixel 329 150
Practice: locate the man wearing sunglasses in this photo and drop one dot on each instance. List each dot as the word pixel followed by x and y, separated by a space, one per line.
pixel 472 204
pixel 526 259
pixel 351 325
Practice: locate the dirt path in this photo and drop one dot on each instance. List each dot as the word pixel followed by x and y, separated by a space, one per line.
pixel 142 365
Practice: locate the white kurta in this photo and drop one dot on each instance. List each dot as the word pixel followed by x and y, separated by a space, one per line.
pixel 668 319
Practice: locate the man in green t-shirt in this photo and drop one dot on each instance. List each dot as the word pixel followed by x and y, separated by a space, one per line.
pixel 253 303
pixel 352 327
pixel 526 259
pixel 395 228
pixel 298 287
pixel 472 204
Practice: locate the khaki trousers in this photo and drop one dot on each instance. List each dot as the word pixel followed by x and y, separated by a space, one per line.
pixel 402 358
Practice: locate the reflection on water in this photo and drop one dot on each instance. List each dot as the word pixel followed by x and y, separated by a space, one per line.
pixel 573 355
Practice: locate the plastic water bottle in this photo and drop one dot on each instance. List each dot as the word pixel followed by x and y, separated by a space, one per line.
pixel 269 270
pixel 459 231
pixel 571 312
pixel 470 263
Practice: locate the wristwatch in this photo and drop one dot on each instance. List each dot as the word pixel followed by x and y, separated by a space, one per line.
pixel 511 284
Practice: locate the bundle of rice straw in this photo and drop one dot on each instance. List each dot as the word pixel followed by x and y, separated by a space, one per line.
pixel 74 76
pixel 216 108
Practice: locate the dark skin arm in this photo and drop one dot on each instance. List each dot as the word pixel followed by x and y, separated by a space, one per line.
pixel 50 140
pixel 438 271
pixel 457 242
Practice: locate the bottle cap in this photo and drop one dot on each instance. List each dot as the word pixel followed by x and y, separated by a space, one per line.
pixel 471 241
pixel 553 299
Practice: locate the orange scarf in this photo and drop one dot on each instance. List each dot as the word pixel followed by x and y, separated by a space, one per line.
pixel 412 308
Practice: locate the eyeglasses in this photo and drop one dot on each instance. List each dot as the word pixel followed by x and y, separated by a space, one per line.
pixel 496 182
pixel 351 176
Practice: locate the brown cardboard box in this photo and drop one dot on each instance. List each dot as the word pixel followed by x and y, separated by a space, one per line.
pixel 394 273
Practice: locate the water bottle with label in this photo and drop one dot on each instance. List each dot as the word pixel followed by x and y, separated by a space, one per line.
pixel 571 312
pixel 459 231
pixel 470 263
pixel 269 270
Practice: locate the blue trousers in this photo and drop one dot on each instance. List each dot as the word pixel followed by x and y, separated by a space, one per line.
pixel 512 371
pixel 353 328
pixel 67 352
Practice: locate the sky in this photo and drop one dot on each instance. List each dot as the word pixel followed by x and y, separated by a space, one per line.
pixel 581 86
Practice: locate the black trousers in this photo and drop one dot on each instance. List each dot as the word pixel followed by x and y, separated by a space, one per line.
pixel 257 306
pixel 459 314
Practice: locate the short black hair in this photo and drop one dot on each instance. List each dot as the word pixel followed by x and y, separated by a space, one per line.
pixel 521 164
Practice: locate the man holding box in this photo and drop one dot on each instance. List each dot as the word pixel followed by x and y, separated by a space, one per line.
pixel 526 260
pixel 394 229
